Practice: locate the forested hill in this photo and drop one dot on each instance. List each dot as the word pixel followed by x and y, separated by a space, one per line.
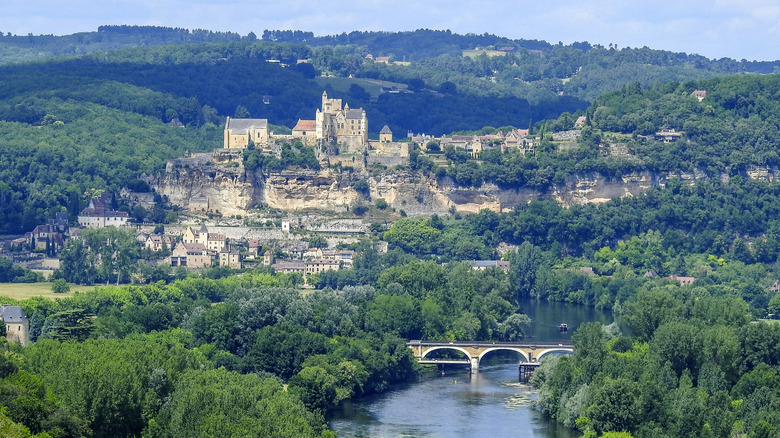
pixel 524 68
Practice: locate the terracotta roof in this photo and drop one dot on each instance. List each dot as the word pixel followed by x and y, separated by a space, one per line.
pixel 305 125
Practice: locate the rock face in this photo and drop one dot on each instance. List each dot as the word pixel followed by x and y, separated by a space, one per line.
pixel 231 190
pixel 227 189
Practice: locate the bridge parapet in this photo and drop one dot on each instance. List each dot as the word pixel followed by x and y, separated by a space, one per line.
pixel 532 352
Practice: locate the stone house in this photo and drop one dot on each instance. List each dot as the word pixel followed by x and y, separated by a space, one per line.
pixel 158 243
pixel 315 266
pixel 230 258
pixel 192 255
pixel 386 135
pixel 211 241
pixel 97 215
pixel 17 327
pixel 306 132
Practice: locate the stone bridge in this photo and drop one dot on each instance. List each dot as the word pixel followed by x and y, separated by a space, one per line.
pixel 532 352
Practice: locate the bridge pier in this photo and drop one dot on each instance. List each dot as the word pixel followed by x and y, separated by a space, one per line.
pixel 474 364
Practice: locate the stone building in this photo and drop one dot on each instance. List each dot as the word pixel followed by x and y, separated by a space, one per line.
pixel 211 241
pixel 192 255
pixel 239 132
pixel 17 327
pixel 98 215
pixel 385 135
pixel 306 132
pixel 344 126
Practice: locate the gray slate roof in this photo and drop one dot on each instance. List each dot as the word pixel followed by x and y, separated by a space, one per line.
pixel 243 125
pixel 355 114
pixel 386 130
pixel 12 314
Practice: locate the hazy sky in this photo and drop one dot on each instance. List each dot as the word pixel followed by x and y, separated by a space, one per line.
pixel 738 29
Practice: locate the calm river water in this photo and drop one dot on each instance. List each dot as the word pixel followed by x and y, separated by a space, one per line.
pixel 491 403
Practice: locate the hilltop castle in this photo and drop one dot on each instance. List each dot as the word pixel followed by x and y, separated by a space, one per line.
pixel 333 124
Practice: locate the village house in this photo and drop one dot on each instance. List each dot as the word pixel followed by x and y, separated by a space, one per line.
pixel 343 257
pixel 315 266
pixel 230 258
pixel 481 265
pixel 253 250
pixel 97 215
pixel 211 241
pixel 17 327
pixel 145 200
pixel 45 238
pixel 192 255
pixel 158 243
pixel 289 266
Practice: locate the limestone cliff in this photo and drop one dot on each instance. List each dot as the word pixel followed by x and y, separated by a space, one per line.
pixel 231 190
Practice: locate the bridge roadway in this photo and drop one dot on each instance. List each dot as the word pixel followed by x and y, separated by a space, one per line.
pixel 532 352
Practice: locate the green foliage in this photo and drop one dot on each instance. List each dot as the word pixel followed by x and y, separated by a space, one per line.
pixel 100 255
pixel 60 286
pixel 223 403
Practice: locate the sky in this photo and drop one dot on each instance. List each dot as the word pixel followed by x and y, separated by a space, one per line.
pixel 738 29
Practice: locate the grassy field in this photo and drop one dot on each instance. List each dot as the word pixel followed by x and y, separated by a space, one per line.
pixel 22 291
pixel 372 86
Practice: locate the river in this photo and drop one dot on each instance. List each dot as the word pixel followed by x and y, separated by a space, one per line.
pixel 491 403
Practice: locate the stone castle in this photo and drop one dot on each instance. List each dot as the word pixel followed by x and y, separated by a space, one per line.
pixel 333 124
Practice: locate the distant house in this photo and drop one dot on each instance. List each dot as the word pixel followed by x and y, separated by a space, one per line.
pixel 667 136
pixel 683 280
pixel 775 287
pixel 17 327
pixel 383 59
pixel 481 265
pixel 580 121
pixel 700 94
pixel 98 216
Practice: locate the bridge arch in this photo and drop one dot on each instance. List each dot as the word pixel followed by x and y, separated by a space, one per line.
pixel 517 350
pixel 445 347
pixel 553 350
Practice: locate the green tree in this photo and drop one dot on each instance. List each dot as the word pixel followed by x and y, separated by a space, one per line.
pixel 60 286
